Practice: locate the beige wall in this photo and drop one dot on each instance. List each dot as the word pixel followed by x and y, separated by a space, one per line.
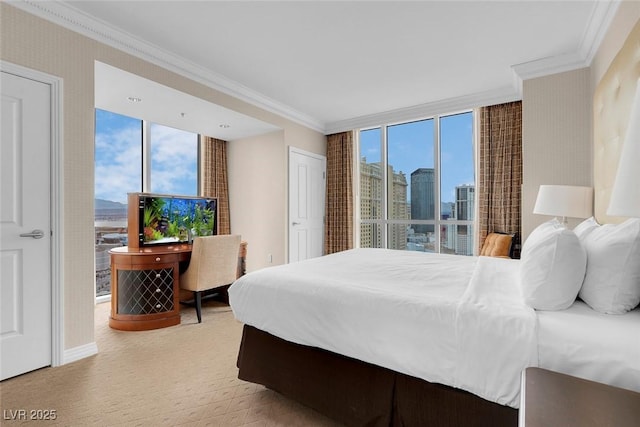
pixel 38 44
pixel 558 120
pixel 257 182
pixel 556 137
pixel 258 179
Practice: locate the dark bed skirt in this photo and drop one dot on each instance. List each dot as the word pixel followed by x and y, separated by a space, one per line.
pixel 357 393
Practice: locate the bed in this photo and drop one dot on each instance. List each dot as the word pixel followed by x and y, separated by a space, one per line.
pixel 386 337
pixel 364 336
pixel 374 337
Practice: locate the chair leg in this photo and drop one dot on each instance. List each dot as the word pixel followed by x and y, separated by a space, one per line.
pixel 198 298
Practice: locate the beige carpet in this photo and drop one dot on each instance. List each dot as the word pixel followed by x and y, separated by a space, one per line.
pixel 181 375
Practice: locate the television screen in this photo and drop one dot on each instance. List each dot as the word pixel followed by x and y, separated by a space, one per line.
pixel 165 219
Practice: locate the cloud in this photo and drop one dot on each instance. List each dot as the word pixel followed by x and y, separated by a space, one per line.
pixel 174 163
pixel 118 162
pixel 118 158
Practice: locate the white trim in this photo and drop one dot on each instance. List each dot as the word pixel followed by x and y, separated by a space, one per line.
pixel 56 204
pixel 355 182
pixel 80 352
pixel 551 65
pixel 103 298
pixel 306 153
pixel 73 19
pixel 601 17
pixel 401 115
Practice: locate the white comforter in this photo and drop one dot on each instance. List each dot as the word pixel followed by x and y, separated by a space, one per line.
pixel 453 320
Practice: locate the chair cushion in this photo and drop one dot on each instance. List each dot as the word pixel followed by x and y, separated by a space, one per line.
pixel 497 245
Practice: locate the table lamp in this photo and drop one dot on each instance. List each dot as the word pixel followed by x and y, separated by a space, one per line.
pixel 564 201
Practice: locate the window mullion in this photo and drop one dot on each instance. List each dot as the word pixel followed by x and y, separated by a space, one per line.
pixel 357 182
pixel 436 165
pixel 385 183
pixel 146 156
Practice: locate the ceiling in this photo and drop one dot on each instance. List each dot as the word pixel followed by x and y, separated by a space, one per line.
pixel 125 93
pixel 336 65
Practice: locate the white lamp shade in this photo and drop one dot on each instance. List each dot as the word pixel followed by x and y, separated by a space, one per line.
pixel 625 196
pixel 564 200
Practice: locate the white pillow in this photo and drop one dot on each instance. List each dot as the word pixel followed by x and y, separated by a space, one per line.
pixel 612 282
pixel 583 229
pixel 552 267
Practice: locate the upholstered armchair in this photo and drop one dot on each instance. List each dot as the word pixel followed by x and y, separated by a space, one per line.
pixel 214 263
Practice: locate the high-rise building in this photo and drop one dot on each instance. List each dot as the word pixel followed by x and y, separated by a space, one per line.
pixel 465 201
pixel 465 207
pixel 423 198
pixel 397 234
pixel 370 203
pixel 371 187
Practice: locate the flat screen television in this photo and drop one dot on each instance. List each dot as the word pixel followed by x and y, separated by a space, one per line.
pixel 161 219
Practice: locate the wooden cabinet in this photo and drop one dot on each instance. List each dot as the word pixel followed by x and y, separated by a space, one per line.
pixel 145 286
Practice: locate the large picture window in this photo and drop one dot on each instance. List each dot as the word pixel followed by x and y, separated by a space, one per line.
pixel 132 156
pixel 174 161
pixel 417 185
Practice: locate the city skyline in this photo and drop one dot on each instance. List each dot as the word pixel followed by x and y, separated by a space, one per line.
pixel 407 235
pixel 410 146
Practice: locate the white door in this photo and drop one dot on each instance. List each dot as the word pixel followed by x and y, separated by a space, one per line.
pixel 306 204
pixel 25 230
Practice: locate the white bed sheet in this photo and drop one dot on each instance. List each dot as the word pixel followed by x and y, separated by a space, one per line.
pixel 383 317
pixel 431 316
pixel 600 347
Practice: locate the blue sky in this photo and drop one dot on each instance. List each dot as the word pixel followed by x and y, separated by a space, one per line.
pixel 118 158
pixel 118 154
pixel 410 146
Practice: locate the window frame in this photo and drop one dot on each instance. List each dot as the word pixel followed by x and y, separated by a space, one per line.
pixel 437 222
pixel 145 178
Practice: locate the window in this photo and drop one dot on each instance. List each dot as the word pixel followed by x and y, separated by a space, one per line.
pixel 129 159
pixel 417 185
pixel 174 161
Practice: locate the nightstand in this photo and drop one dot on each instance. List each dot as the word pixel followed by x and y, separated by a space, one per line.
pixel 551 399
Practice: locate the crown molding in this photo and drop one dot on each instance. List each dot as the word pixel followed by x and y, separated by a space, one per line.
pixel 599 22
pixel 550 65
pixel 451 105
pixel 77 21
pixel 71 18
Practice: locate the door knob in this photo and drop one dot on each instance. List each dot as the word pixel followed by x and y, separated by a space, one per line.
pixel 295 223
pixel 36 234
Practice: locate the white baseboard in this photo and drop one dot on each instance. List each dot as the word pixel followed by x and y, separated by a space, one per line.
pixel 103 298
pixel 80 352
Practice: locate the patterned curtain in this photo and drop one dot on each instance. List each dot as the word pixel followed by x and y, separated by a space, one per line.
pixel 500 174
pixel 339 210
pixel 215 179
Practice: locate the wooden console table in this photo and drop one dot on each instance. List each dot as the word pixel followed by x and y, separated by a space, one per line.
pixel 145 286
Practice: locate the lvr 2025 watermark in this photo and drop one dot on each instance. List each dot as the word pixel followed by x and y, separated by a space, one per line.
pixel 29 414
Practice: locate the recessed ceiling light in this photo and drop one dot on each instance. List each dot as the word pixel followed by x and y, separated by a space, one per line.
pixel 225 126
pixel 134 99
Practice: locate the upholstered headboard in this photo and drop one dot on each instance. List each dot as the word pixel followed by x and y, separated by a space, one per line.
pixel 612 105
